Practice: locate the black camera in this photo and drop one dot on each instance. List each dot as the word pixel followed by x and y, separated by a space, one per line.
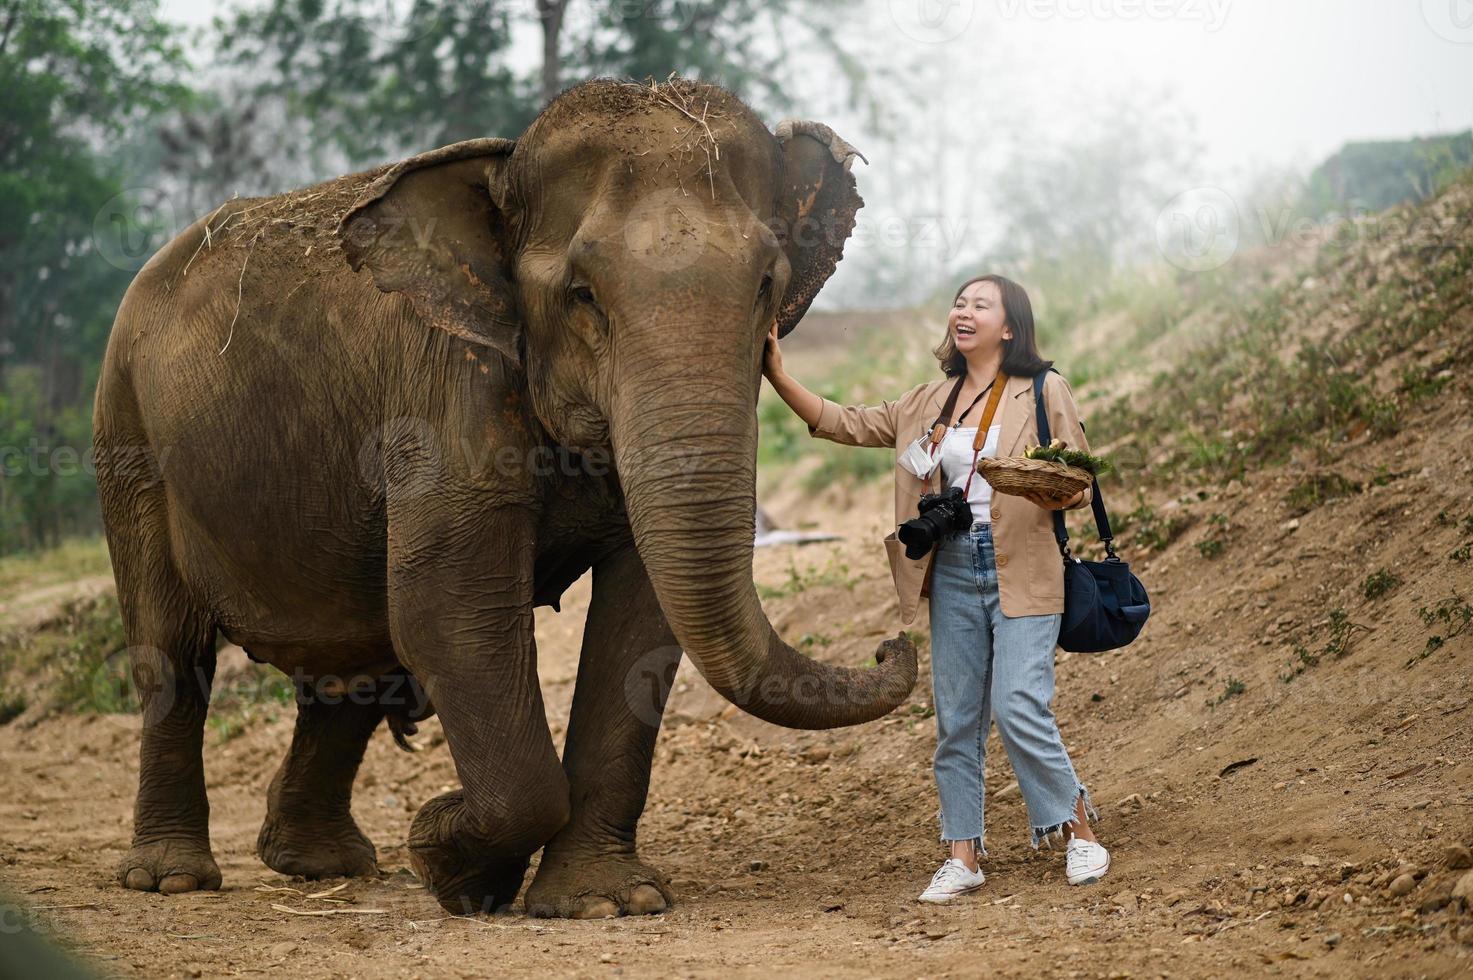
pixel 941 514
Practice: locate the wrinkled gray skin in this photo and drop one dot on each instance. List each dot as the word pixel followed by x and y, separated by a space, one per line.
pixel 318 429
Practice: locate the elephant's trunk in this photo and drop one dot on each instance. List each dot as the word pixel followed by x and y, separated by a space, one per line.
pixel 685 446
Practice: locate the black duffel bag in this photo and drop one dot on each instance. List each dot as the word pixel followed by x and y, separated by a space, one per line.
pixel 1105 605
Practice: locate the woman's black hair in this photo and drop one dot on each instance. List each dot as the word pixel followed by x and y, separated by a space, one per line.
pixel 1020 357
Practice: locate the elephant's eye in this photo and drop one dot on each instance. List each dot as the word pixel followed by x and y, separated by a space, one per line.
pixel 582 293
pixel 765 290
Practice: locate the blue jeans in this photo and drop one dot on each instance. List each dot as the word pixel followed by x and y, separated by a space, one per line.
pixel 986 665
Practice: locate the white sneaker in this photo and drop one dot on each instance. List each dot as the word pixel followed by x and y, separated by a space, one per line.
pixel 1085 862
pixel 952 880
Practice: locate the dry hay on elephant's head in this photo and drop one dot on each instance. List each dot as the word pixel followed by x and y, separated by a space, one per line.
pixel 702 108
pixel 687 98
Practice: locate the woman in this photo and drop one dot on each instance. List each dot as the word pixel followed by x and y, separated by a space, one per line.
pixel 996 590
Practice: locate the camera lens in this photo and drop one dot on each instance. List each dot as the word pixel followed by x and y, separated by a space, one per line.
pixel 940 514
pixel 919 537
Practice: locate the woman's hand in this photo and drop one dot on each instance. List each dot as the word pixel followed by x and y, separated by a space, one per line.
pixel 1053 503
pixel 772 357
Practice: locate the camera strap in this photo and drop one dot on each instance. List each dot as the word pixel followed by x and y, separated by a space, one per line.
pixel 980 439
pixel 938 428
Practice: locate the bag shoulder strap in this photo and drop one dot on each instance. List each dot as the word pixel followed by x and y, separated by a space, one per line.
pixel 1097 500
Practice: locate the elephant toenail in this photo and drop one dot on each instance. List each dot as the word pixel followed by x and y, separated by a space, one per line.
pixel 138 880
pixel 177 883
pixel 597 908
pixel 646 900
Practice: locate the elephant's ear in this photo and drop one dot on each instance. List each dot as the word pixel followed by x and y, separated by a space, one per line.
pixel 815 209
pixel 428 228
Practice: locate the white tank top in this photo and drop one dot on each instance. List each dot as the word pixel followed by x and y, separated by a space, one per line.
pixel 956 463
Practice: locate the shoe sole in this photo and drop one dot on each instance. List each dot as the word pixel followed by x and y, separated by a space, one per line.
pixel 953 895
pixel 1094 878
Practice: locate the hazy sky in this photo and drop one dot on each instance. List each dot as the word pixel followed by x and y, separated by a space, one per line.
pixel 1270 81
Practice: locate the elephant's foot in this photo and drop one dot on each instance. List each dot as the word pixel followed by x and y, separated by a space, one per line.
pixel 171 866
pixel 571 886
pixel 464 874
pixel 315 847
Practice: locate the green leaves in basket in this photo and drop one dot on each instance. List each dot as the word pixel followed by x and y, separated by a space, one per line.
pixel 1094 465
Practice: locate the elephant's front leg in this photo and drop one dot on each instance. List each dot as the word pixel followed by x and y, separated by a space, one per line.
pixel 592 868
pixel 461 614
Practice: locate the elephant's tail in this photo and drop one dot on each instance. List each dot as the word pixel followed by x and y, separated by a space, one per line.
pixel 402 728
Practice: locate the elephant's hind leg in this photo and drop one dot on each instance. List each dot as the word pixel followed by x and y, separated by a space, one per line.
pixel 172 647
pixel 309 830
pixel 591 869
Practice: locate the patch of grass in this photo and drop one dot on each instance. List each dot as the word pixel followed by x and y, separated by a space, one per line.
pixel 810 642
pixel 1340 630
pixel 1149 527
pixel 1419 384
pixel 1215 543
pixel 257 695
pixel 74 558
pixel 78 662
pixel 231 724
pixel 1453 616
pixel 1221 457
pixel 834 573
pixel 1303 660
pixel 85 649
pixel 1232 688
pixel 1380 583
pixel 1252 385
pixel 1463 553
pixel 1319 489
pixel 848 464
pixel 1385 477
pixel 1348 407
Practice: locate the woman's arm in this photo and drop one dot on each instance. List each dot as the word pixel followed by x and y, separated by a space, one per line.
pixel 850 425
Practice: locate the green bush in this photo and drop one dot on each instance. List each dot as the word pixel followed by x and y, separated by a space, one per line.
pixel 84 647
pixel 1380 583
pixel 1453 616
pixel 48 490
pixel 1339 632
pixel 1231 688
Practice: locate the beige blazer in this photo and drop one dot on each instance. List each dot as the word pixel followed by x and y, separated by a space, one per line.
pixel 1030 573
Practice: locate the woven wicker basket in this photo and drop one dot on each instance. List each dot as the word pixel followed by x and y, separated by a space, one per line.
pixel 1019 475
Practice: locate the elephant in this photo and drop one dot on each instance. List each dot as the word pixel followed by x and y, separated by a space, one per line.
pixel 364 429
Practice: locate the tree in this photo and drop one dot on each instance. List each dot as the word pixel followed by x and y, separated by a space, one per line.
pixel 754 48
pixel 78 76
pixel 376 87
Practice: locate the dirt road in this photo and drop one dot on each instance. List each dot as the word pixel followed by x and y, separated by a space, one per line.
pixel 801 853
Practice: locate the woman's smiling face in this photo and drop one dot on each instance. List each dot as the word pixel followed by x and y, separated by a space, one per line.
pixel 978 320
